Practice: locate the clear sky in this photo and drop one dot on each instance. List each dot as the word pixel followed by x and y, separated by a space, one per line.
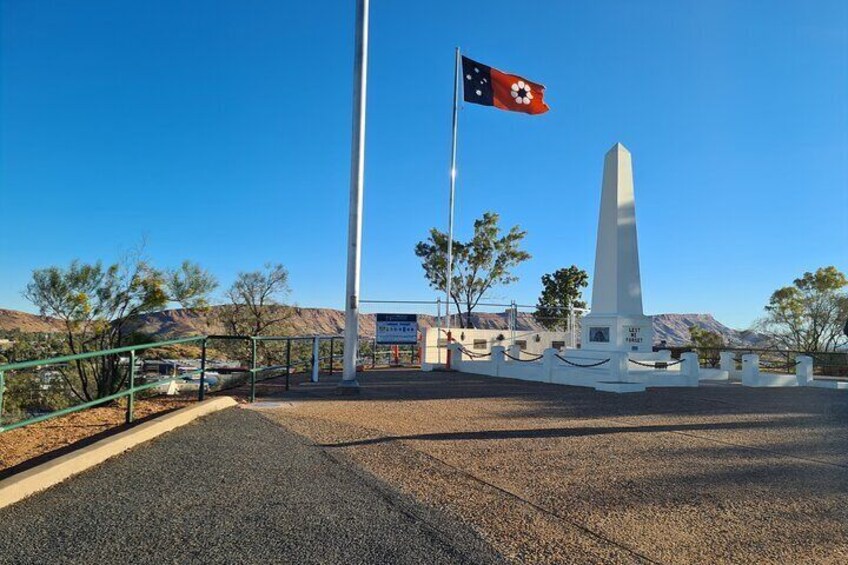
pixel 220 131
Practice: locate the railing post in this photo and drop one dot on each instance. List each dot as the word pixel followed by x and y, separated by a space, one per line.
pixel 2 390
pixel 131 396
pixel 201 392
pixel 332 342
pixel 450 351
pixel 288 361
pixel 252 369
pixel 315 360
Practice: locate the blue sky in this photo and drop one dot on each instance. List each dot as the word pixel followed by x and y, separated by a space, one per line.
pixel 220 132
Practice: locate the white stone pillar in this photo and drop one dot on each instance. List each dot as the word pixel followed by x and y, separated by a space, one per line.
pixel 618 363
pixel 457 360
pixel 804 370
pixel 514 351
pixel 727 362
pixel 691 368
pixel 750 369
pixel 548 356
pixel 497 359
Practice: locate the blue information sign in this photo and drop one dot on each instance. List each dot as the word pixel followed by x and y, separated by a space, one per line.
pixel 397 329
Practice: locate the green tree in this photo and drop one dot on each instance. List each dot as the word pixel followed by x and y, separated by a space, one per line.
pixel 99 308
pixel 24 346
pixel 254 302
pixel 480 264
pixel 708 344
pixel 32 391
pixel 561 292
pixel 255 306
pixel 809 315
pixel 705 339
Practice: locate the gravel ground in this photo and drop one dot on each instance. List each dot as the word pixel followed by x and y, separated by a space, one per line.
pixel 231 488
pixel 553 474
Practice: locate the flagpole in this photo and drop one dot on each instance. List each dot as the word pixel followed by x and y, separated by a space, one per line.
pixel 348 383
pixel 449 280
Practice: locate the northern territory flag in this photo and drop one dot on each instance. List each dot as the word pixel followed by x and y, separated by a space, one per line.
pixel 490 87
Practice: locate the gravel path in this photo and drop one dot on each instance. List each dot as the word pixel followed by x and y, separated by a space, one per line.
pixel 231 488
pixel 553 474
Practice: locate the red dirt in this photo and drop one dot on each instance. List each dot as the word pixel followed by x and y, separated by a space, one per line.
pixel 24 444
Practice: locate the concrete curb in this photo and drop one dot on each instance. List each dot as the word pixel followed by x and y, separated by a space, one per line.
pixel 53 472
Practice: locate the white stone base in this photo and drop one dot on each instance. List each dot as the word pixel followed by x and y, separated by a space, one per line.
pixel 761 380
pixel 833 385
pixel 619 387
pixel 662 379
pixel 714 375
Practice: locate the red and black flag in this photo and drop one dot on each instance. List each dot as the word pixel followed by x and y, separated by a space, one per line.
pixel 490 87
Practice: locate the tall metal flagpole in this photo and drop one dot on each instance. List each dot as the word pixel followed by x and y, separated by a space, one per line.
pixel 349 383
pixel 449 280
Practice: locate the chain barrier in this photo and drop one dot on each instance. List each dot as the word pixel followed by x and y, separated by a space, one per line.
pixel 655 364
pixel 573 364
pixel 522 360
pixel 474 355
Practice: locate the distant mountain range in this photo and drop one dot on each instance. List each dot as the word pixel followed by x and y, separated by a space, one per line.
pixel 673 328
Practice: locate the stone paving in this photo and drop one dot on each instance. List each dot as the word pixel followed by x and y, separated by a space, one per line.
pixel 555 474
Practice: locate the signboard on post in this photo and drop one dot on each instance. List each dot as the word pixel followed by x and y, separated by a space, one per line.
pixel 397 329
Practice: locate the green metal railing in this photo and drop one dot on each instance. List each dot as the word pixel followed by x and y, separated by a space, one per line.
pixel 132 389
pixel 130 392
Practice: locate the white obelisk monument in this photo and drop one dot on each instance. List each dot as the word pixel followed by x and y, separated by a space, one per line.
pixel 616 322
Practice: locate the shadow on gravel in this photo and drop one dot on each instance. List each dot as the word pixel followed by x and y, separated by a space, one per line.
pixel 558 401
pixel 549 433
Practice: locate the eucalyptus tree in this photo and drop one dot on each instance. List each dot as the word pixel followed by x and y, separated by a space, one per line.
pixel 99 307
pixel 485 261
pixel 809 315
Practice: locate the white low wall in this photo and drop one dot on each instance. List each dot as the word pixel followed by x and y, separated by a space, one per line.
pixel 578 367
pixel 535 342
pixel 574 367
pixel 752 376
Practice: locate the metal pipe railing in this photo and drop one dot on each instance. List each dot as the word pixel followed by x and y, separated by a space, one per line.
pixel 92 354
pixel 132 388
